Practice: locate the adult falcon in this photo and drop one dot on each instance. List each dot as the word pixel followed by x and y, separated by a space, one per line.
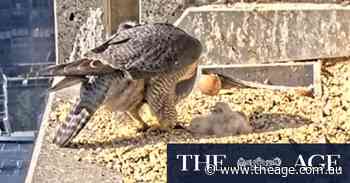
pixel 151 63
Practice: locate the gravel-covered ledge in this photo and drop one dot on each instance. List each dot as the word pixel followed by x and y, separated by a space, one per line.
pixel 112 141
pixel 61 165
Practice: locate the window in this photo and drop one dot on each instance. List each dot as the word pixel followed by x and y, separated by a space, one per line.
pixel 26 26
pixel 5 4
pixel 40 3
pixel 26 40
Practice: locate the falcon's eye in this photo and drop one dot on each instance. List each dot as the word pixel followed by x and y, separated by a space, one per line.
pixel 127 26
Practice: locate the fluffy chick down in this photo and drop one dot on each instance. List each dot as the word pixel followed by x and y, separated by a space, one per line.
pixel 221 121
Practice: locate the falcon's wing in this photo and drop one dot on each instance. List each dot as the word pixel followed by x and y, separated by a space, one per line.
pixel 85 66
pixel 81 67
pixel 148 49
pixel 151 48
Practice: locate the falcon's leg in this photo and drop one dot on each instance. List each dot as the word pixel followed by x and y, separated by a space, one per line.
pixel 134 115
pixel 160 95
pixel 168 115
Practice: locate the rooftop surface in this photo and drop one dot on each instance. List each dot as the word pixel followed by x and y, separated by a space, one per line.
pixel 110 146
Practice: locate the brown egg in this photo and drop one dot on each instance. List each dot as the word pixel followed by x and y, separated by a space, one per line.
pixel 209 84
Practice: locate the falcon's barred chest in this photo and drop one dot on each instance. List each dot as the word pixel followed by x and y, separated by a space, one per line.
pixel 162 96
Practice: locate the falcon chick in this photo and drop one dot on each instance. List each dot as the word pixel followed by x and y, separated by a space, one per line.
pixel 221 121
pixel 150 63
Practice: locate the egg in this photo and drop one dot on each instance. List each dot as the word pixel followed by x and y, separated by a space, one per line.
pixel 209 84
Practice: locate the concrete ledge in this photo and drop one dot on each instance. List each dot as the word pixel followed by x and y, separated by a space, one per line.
pixel 287 74
pixel 258 33
pixel 39 140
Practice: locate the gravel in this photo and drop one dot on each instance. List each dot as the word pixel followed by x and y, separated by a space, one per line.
pixel 62 165
pixel 111 140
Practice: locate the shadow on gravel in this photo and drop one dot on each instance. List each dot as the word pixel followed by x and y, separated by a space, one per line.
pixel 267 122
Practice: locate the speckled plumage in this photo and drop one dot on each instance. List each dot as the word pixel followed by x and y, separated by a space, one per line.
pixel 143 51
pixel 152 63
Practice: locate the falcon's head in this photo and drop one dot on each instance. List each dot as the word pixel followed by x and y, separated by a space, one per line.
pixel 127 25
pixel 221 107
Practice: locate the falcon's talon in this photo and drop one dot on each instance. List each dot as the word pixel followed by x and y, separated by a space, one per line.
pixel 157 130
pixel 143 129
pixel 178 126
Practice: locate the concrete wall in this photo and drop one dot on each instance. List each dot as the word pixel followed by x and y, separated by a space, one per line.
pixel 71 15
pixel 261 33
pixel 166 10
pixel 81 23
pixel 118 11
pixel 170 10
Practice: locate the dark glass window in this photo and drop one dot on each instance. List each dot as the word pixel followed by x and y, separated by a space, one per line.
pixel 5 4
pixel 27 43
pixel 40 3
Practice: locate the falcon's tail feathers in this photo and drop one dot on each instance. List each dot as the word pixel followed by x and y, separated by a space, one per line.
pixel 81 67
pixel 92 95
pixel 76 121
pixel 67 82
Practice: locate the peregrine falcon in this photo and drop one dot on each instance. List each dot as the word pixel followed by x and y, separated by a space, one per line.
pixel 221 121
pixel 150 63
